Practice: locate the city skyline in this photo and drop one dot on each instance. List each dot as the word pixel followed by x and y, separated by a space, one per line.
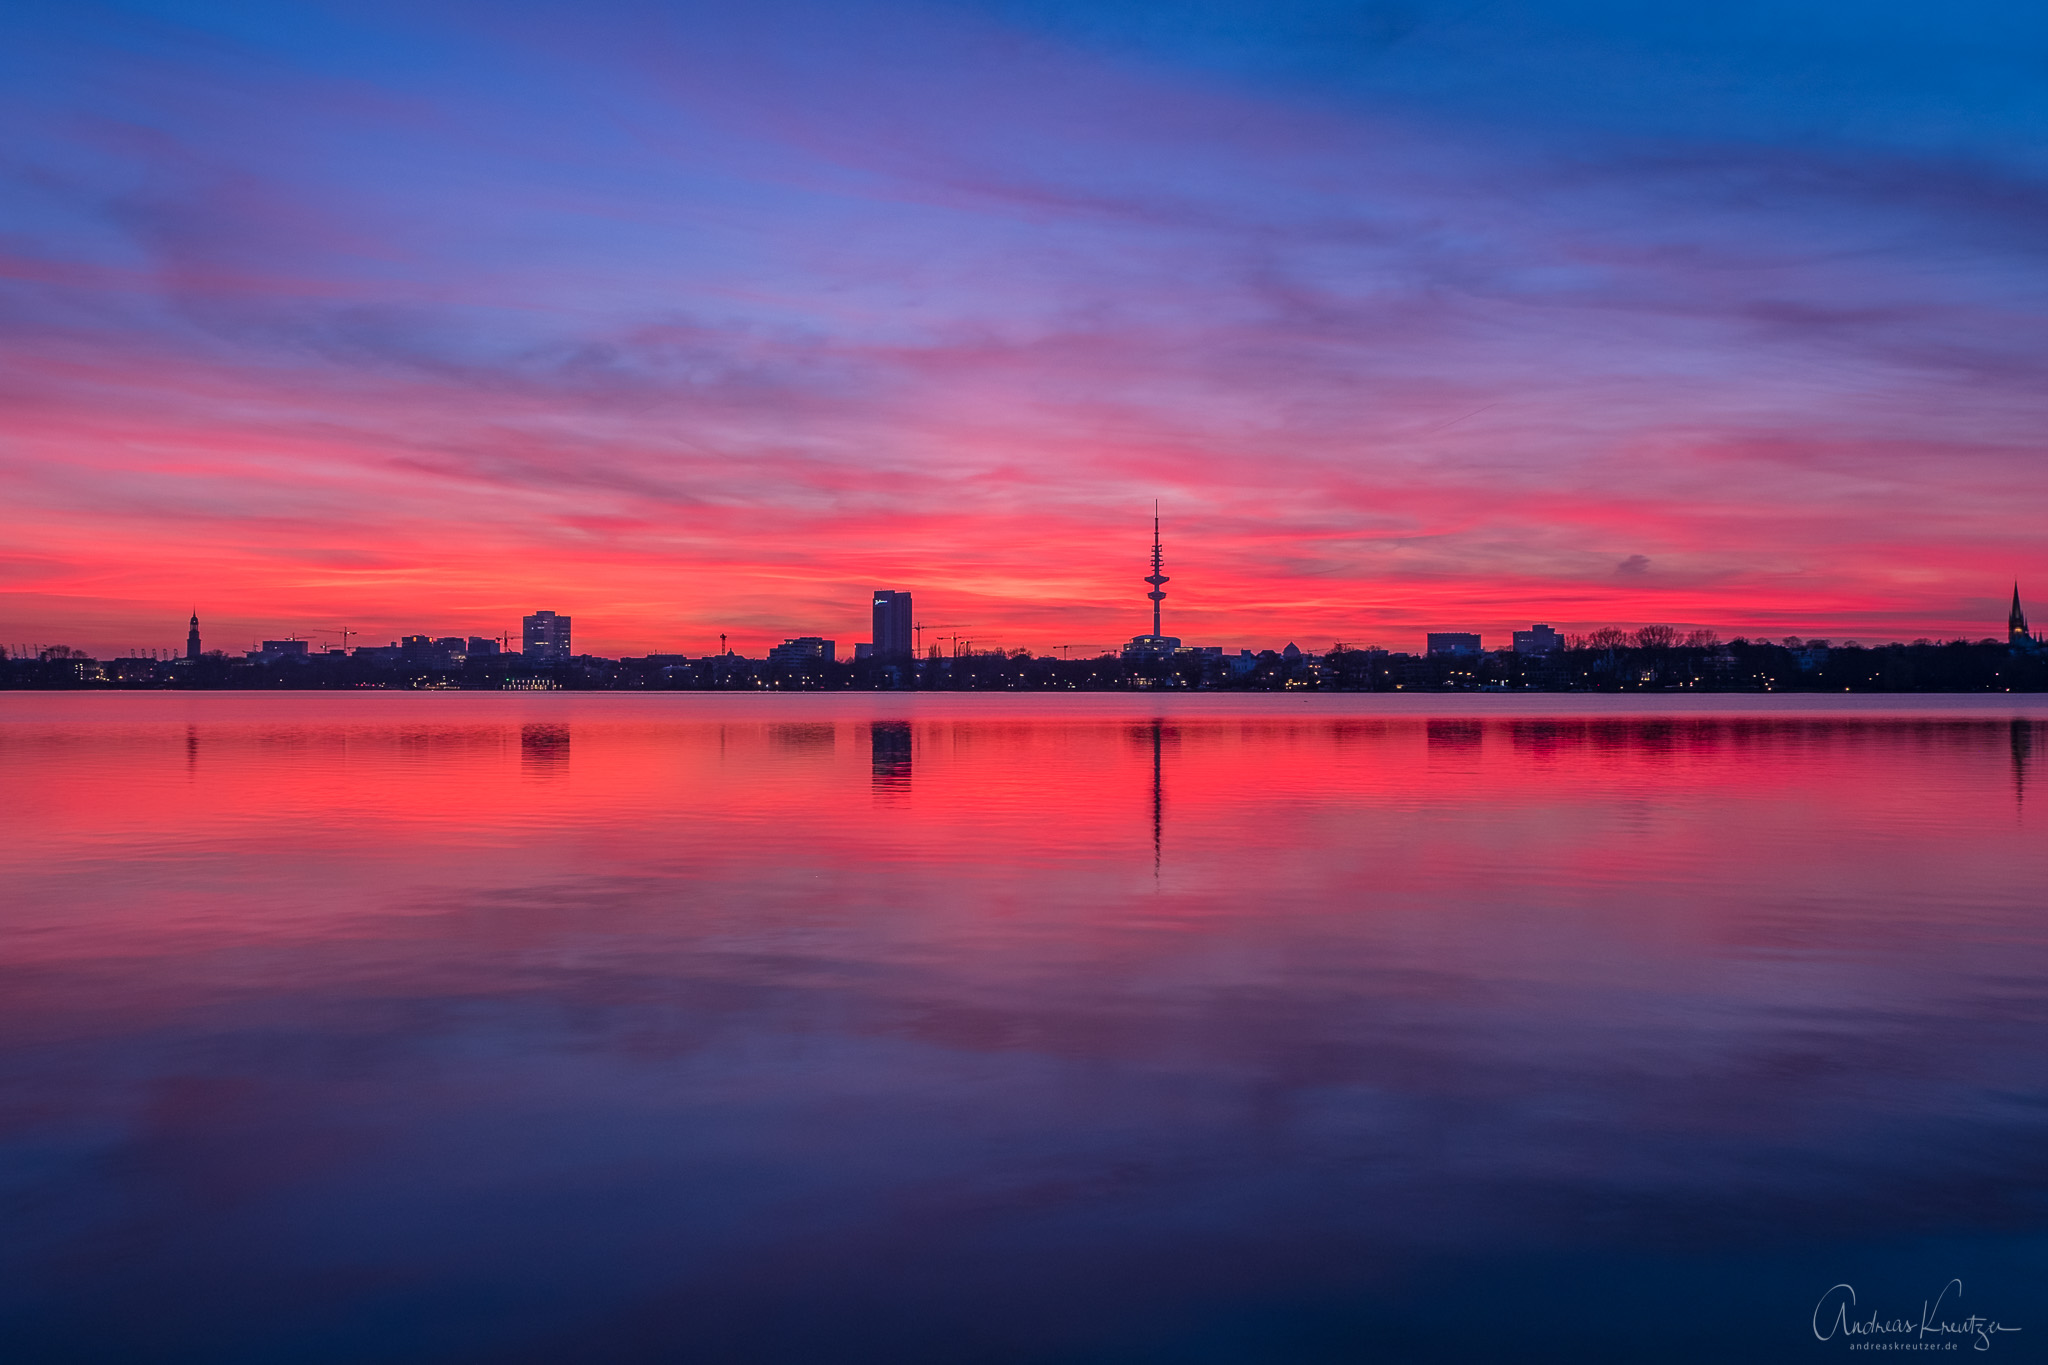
pixel 545 635
pixel 779 627
pixel 710 320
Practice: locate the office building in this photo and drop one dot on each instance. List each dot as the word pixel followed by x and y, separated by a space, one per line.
pixel 1457 643
pixel 805 649
pixel 545 638
pixel 479 645
pixel 286 649
pixel 892 631
pixel 1538 640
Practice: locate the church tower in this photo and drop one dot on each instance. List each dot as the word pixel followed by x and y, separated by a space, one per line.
pixel 192 637
pixel 2016 624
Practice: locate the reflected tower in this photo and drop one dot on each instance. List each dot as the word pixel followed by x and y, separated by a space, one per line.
pixel 1158 800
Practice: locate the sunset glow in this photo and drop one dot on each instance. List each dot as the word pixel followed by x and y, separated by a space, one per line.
pixel 698 319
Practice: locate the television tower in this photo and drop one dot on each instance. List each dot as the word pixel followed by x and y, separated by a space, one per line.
pixel 1157 579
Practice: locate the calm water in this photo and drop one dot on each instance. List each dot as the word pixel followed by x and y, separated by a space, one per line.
pixel 513 1027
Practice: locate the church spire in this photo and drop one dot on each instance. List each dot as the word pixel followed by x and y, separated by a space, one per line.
pixel 2016 624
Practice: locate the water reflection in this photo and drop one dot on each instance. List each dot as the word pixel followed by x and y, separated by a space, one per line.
pixel 889 752
pixel 808 737
pixel 1158 800
pixel 1439 1038
pixel 1153 737
pixel 543 750
pixel 2022 751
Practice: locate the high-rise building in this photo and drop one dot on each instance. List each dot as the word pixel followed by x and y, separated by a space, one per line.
pixel 1454 642
pixel 546 637
pixel 1157 643
pixel 1538 640
pixel 192 636
pixel 892 624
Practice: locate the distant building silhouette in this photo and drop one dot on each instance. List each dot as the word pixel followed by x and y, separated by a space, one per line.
pixel 2016 628
pixel 480 645
pixel 286 649
pixel 892 626
pixel 1157 643
pixel 804 649
pixel 192 636
pixel 546 637
pixel 1454 642
pixel 1537 640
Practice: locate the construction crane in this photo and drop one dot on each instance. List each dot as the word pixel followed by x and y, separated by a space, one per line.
pixel 1064 648
pixel 918 630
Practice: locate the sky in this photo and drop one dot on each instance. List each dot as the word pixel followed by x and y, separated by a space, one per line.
pixel 695 318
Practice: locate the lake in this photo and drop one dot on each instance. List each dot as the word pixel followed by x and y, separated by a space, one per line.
pixel 856 1027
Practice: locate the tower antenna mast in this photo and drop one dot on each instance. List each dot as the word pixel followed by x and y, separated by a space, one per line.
pixel 1157 579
